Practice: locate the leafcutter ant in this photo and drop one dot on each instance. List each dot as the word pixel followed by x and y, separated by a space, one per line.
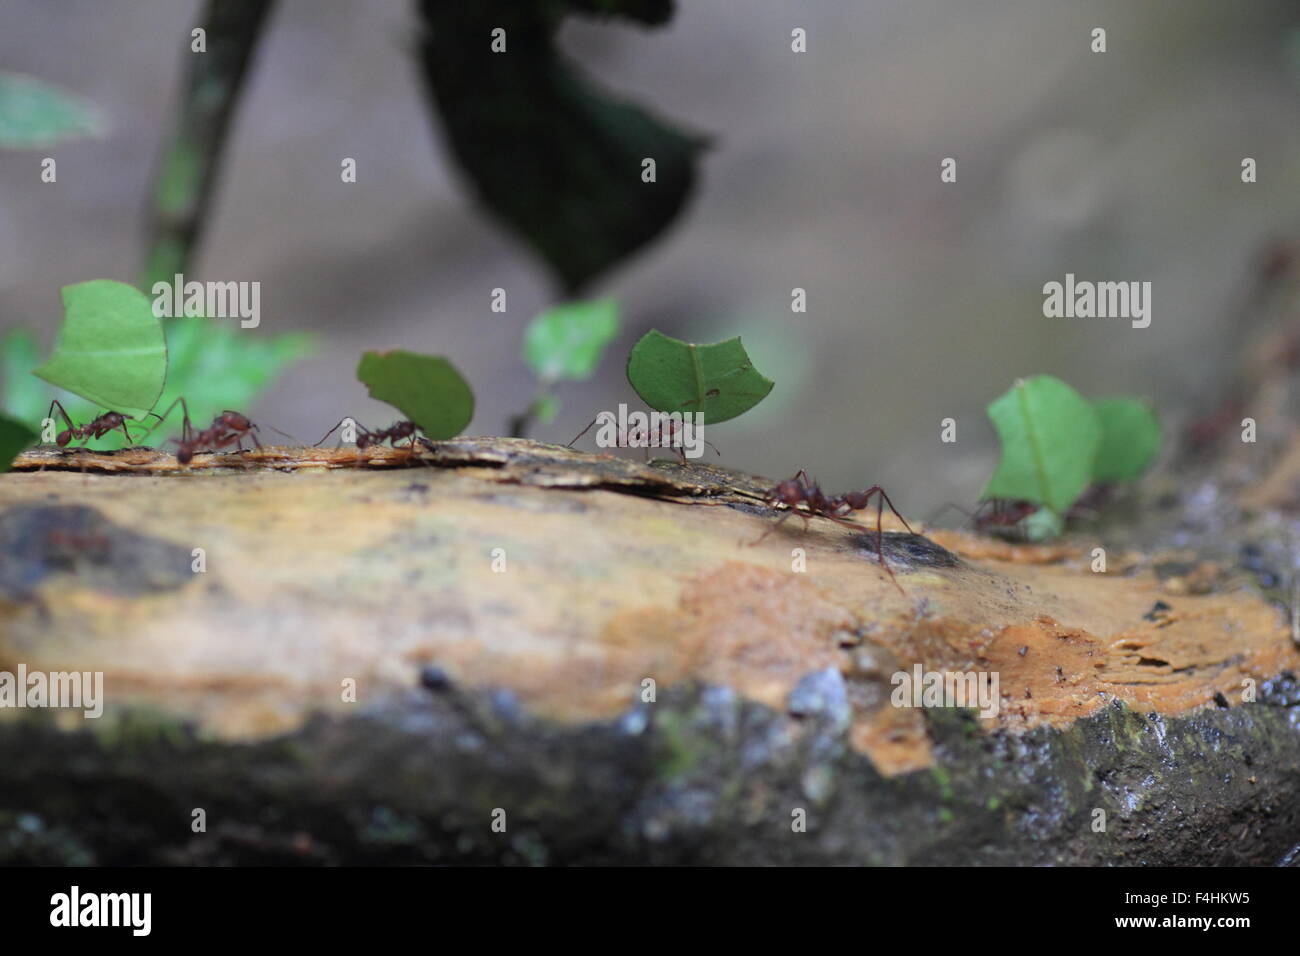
pixel 802 490
pixel 98 428
pixel 365 438
pixel 228 428
pixel 663 432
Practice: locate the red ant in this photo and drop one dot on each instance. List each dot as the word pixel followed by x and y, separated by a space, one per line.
pixel 802 489
pixel 228 428
pixel 365 438
pixel 1001 513
pixel 98 428
pixel 1004 514
pixel 663 435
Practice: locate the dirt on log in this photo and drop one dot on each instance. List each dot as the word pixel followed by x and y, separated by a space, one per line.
pixel 501 651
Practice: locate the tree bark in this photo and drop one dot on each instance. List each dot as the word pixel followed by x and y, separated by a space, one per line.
pixel 389 652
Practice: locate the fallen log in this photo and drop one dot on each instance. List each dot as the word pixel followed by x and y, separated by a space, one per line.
pixel 501 651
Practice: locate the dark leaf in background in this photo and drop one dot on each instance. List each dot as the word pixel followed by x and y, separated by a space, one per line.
pixel 551 155
pixel 14 437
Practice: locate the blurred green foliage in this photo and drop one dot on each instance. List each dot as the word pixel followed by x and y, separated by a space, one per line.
pixel 35 114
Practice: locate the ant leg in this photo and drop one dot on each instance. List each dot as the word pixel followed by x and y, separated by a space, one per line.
pixel 129 440
pixel 880 532
pixel 272 427
pixel 881 498
pixel 780 521
pixel 934 516
pixel 70 432
pixel 328 433
pixel 185 417
pixel 880 541
pixel 581 433
pixel 893 509
pixel 62 411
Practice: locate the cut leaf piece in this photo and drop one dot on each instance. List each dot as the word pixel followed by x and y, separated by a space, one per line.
pixel 1043 525
pixel 1050 435
pixel 566 342
pixel 110 348
pixel 1130 439
pixel 675 376
pixel 14 438
pixel 427 389
pixel 35 114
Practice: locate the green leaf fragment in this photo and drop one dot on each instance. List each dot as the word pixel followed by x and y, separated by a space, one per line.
pixel 675 376
pixel 1043 525
pixel 545 408
pixel 21 395
pixel 427 389
pixel 1050 435
pixel 14 438
pixel 36 114
pixel 566 342
pixel 1130 439
pixel 110 348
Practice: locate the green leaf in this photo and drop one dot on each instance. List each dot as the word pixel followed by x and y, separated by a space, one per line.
pixel 35 114
pixel 545 408
pixel 21 395
pixel 14 437
pixel 675 376
pixel 1050 436
pixel 110 349
pixel 566 342
pixel 427 389
pixel 1130 439
pixel 1043 525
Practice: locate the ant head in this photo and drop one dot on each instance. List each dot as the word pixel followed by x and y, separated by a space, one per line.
pixel 64 437
pixel 184 454
pixel 113 418
pixel 236 421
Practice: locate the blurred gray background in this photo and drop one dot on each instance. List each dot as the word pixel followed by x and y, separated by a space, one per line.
pixel 925 298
